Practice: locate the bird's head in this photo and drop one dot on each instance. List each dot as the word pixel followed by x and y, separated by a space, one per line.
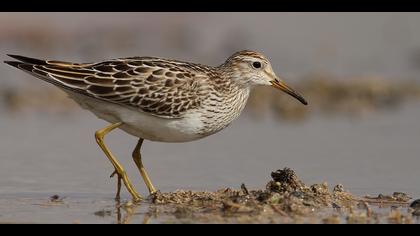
pixel 249 68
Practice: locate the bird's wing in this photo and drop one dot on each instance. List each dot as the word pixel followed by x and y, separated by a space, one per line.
pixel 155 86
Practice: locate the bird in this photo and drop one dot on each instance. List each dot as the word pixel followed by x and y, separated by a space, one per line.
pixel 158 99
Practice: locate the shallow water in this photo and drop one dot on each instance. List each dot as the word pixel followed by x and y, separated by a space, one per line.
pixel 43 154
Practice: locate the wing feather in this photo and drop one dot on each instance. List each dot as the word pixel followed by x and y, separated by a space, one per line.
pixel 153 85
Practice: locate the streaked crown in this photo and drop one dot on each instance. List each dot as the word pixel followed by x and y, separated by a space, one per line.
pixel 246 55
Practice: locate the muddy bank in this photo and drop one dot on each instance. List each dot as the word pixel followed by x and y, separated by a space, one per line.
pixel 285 199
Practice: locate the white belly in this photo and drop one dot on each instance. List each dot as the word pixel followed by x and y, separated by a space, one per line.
pixel 142 125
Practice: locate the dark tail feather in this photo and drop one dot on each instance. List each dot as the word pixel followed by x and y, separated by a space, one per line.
pixel 28 60
pixel 29 68
pixel 21 65
pixel 14 63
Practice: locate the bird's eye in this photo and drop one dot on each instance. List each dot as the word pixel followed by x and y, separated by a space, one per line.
pixel 256 64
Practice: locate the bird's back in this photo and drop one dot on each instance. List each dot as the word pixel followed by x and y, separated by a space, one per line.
pixel 164 88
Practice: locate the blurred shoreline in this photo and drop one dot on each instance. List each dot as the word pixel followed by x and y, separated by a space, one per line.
pixel 326 94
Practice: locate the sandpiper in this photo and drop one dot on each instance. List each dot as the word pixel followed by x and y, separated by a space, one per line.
pixel 158 99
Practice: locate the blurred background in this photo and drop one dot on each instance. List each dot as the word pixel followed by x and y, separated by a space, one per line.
pixel 359 72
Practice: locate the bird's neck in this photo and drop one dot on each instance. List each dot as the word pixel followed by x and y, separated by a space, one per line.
pixel 233 74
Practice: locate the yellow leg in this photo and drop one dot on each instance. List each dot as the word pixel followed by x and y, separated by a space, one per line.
pixel 99 135
pixel 137 160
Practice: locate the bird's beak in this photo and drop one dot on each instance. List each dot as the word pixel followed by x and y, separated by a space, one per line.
pixel 276 83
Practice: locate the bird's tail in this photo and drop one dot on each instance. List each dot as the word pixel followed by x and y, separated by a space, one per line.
pixel 66 75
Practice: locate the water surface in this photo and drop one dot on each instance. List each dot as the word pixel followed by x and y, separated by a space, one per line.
pixel 43 154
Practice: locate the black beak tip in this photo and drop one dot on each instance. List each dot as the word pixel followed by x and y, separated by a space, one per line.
pixel 302 100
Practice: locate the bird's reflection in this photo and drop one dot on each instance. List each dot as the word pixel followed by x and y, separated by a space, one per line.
pixel 125 212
